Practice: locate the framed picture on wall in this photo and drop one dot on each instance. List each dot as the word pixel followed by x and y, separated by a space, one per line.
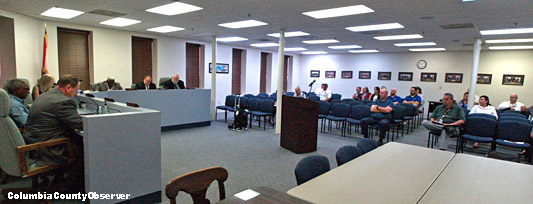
pixel 315 73
pixel 509 79
pixel 454 78
pixel 330 74
pixel 428 77
pixel 347 74
pixel 405 76
pixel 365 74
pixel 384 75
pixel 221 68
pixel 484 78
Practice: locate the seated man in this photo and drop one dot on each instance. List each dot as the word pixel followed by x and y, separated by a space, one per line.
pixel 358 95
pixel 145 84
pixel 109 84
pixel 394 98
pixel 512 104
pixel 323 92
pixel 413 98
pixel 18 90
pixel 53 115
pixel 380 114
pixel 298 92
pixel 174 83
pixel 448 117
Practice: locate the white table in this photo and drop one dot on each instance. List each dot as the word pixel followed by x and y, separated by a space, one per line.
pixel 474 179
pixel 393 173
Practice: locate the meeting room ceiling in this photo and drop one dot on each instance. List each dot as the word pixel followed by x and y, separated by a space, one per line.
pixel 424 17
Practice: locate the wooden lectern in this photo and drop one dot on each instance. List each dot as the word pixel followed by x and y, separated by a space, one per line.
pixel 299 123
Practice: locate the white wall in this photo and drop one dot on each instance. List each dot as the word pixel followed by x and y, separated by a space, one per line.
pixel 496 63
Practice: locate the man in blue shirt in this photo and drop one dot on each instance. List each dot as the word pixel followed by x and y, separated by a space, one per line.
pixel 18 90
pixel 394 98
pixel 413 98
pixel 380 114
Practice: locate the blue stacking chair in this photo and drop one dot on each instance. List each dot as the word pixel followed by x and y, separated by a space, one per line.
pixel 266 108
pixel 367 102
pixel 357 113
pixel 272 98
pixel 398 114
pixel 513 118
pixel 483 115
pixel 248 95
pixel 311 167
pixel 367 144
pixel 513 114
pixel 228 106
pixel 323 111
pixel 346 154
pixel 314 98
pixel 354 102
pixel 348 100
pixel 290 93
pixel 263 94
pixel 514 134
pixel 253 106
pixel 478 129
pixel 336 101
pixel 409 115
pixel 339 113
pixel 336 97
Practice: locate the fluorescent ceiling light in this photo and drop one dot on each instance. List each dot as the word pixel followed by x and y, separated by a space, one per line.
pixel 265 44
pixel 320 41
pixel 120 22
pixel 362 51
pixel 507 31
pixel 314 53
pixel 341 11
pixel 399 37
pixel 165 29
pixel 243 24
pixel 289 34
pixel 510 40
pixel 61 13
pixel 426 49
pixel 415 44
pixel 344 47
pixel 295 49
pixel 231 39
pixel 386 26
pixel 174 9
pixel 510 47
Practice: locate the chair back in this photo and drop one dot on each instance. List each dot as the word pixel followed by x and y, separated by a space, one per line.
pixel 248 95
pixel 336 101
pixel 480 126
pixel 263 94
pixel 513 118
pixel 267 106
pixel 134 86
pixel 10 138
pixel 311 167
pixel 348 100
pixel 482 115
pixel 324 107
pixel 398 112
pixel 513 113
pixel 314 98
pixel 244 101
pixel 272 98
pixel 253 104
pixel 336 97
pixel 367 144
pixel 340 110
pixel 354 102
pixel 359 112
pixel 230 101
pixel 312 94
pixel 410 110
pixel 347 153
pixel 515 131
pixel 196 184
pixel 290 93
pixel 163 80
pixel 94 87
pixel 367 102
pixel 261 97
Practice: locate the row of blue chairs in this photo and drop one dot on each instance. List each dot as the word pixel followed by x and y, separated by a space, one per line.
pixel 256 106
pixel 316 165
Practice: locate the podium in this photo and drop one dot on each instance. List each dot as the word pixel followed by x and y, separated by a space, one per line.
pixel 299 123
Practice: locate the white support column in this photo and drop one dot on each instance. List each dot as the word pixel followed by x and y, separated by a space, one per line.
pixel 214 78
pixel 281 63
pixel 473 78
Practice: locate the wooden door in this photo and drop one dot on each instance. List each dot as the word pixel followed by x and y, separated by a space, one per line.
pixel 236 72
pixel 192 59
pixel 73 53
pixel 263 74
pixel 141 58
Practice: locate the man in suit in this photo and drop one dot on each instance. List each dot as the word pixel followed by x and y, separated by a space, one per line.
pixel 53 115
pixel 109 84
pixel 145 84
pixel 174 83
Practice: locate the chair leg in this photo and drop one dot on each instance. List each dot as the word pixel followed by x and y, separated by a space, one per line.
pixel 226 116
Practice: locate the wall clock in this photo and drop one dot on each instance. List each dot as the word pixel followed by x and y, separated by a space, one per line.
pixel 421 64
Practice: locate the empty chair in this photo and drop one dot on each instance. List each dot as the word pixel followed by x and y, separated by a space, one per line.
pixel 266 108
pixel 163 80
pixel 346 154
pixel 357 113
pixel 261 97
pixel 263 94
pixel 314 98
pixel 478 129
pixel 94 87
pixel 348 100
pixel 410 113
pixel 339 113
pixel 253 106
pixel 196 184
pixel 228 106
pixel 243 101
pixel 323 111
pixel 310 167
pixel 248 95
pixel 336 97
pixel 367 144
pixel 514 134
pixel 290 93
pixel 398 114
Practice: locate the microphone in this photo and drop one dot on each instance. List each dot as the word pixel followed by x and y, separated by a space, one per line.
pixel 91 96
pixel 311 84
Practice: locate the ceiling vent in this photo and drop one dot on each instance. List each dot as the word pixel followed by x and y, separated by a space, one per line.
pixel 457 26
pixel 372 32
pixel 427 17
pixel 262 40
pixel 107 13
pixel 468 44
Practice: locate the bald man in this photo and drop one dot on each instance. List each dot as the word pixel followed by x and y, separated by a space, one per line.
pixel 394 98
pixel 174 83
pixel 380 115
pixel 109 84
pixel 512 104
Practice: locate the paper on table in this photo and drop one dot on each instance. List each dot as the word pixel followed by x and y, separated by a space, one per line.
pixel 247 194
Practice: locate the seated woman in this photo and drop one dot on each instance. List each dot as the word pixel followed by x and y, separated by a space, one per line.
pixel 375 95
pixel 45 83
pixel 484 107
pixel 366 94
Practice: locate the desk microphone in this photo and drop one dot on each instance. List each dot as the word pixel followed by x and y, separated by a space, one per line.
pixel 311 84
pixel 91 96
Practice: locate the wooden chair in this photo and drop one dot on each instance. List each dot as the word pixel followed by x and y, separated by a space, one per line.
pixel 196 184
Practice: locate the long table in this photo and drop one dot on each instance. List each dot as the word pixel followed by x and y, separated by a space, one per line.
pixel 393 173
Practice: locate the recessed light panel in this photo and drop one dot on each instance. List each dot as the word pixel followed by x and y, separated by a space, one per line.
pixel 509 41
pixel 426 49
pixel 399 37
pixel 510 47
pixel 231 39
pixel 363 51
pixel 264 45
pixel 120 22
pixel 243 24
pixel 289 34
pixel 61 13
pixel 365 28
pixel 341 11
pixel 314 53
pixel 320 41
pixel 174 9
pixel 295 49
pixel 344 47
pixel 507 31
pixel 165 29
pixel 419 44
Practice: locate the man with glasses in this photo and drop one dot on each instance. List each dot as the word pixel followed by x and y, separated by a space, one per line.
pixel 18 90
pixel 447 117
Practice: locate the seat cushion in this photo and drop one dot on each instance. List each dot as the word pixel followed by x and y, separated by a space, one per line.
pixel 353 121
pixel 512 144
pixel 222 107
pixel 334 118
pixel 398 121
pixel 477 138
pixel 231 109
pixel 322 116
pixel 261 113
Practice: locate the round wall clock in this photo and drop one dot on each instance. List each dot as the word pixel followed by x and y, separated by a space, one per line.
pixel 421 64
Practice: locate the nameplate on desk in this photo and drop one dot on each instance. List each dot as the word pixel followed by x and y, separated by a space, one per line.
pixel 247 195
